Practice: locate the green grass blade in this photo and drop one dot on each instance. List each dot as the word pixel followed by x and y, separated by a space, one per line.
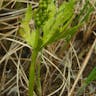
pixel 84 8
pixel 90 78
pixel 87 14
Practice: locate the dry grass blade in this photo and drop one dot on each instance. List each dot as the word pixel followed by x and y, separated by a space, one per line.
pixel 1 2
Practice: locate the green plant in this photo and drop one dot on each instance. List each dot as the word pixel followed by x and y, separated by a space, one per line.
pixel 54 24
pixel 89 79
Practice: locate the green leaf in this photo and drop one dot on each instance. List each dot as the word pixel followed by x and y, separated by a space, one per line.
pixel 67 35
pixel 25 29
pixel 58 20
pixel 26 20
pixel 51 9
pixel 34 38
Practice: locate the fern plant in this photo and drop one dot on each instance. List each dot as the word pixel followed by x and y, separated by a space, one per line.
pixel 54 24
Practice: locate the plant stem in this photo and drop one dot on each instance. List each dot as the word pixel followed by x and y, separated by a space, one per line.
pixel 32 72
pixel 38 79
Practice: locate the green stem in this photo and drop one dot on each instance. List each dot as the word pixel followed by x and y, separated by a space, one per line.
pixel 32 72
pixel 33 62
pixel 39 80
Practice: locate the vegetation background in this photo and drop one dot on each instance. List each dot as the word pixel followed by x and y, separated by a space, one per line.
pixel 66 61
